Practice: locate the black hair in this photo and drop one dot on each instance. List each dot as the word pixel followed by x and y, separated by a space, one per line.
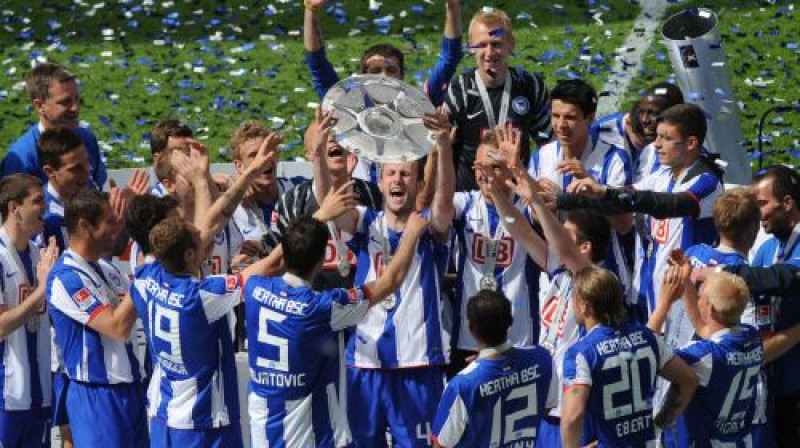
pixel 54 143
pixel 489 317
pixel 577 92
pixel 785 182
pixel 304 244
pixel 87 204
pixel 143 213
pixel 385 50
pixel 689 119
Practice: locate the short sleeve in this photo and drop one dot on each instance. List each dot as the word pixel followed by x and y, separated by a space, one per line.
pixel 705 186
pixel 699 359
pixel 576 369
pixel 348 306
pixel 219 295
pixel 451 417
pixel 69 295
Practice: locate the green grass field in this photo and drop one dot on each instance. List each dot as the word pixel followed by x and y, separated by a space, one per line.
pixel 215 64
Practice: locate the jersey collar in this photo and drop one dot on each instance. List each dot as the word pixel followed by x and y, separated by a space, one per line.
pixel 295 281
pixel 490 351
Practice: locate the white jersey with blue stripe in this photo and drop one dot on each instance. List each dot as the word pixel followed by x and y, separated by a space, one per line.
pixel 294 359
pixel 497 402
pixel 516 274
pixel 664 235
pixel 727 366
pixel 620 366
pixel 558 329
pixel 24 366
pixel 409 333
pixel 77 290
pixel 193 385
pixel 606 163
pixel 159 190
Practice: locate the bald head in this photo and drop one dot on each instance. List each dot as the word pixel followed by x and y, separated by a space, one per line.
pixel 727 295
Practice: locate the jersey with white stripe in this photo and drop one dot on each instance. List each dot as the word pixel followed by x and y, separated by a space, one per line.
pixel 558 329
pixel 727 366
pixel 254 221
pixel 193 385
pixel 781 313
pixel 77 290
pixel 24 366
pixel 497 402
pixel 516 274
pixel 619 365
pixel 293 354
pixel 410 333
pixel 664 235
pixel 607 164
pixel 611 128
pixel 158 190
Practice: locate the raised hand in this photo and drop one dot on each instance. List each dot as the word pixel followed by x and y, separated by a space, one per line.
pixel 337 202
pixel 138 184
pixel 316 136
pixel 191 162
pixel 509 143
pixel 267 153
pixel 117 200
pixel 47 259
pixel 439 124
pixel 672 286
pixel 415 225
pixel 315 3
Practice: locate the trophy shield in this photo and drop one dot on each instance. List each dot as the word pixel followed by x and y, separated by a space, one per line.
pixel 379 118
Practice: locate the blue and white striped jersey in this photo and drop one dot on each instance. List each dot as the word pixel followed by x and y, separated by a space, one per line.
pixel 516 273
pixel 721 411
pixel 497 402
pixel 227 244
pixel 294 359
pixel 620 366
pixel 406 329
pixel 193 385
pixel 24 366
pixel 158 190
pixel 607 164
pixel 664 235
pixel 77 290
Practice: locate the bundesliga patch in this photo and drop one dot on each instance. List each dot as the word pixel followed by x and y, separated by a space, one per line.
pixel 274 217
pixel 82 298
pixel 763 315
pixel 231 283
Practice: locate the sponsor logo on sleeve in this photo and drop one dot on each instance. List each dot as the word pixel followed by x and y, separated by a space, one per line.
pixel 231 283
pixel 82 298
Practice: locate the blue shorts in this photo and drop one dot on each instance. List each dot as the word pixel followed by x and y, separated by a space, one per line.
pixel 403 400
pixel 106 416
pixel 60 388
pixel 549 435
pixel 162 436
pixel 764 435
pixel 25 429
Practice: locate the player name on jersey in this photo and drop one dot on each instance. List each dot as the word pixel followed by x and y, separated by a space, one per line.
pixel 517 378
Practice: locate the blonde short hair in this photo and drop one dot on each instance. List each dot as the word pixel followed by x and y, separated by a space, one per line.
pixel 728 296
pixel 736 213
pixel 493 16
pixel 247 131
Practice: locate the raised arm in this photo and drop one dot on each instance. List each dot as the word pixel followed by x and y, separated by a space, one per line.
pixel 315 142
pixel 322 71
pixel 442 209
pixel 391 278
pixel 450 55
pixel 683 383
pixel 587 193
pixel 669 292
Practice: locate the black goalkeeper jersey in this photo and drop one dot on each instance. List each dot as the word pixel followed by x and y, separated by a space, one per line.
pixel 528 111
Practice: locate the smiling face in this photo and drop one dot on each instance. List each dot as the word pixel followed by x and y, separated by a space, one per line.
pixel 73 174
pixel 399 184
pixel 491 46
pixel 384 66
pixel 650 107
pixel 30 212
pixel 483 159
pixel 62 106
pixel 776 213
pixel 570 125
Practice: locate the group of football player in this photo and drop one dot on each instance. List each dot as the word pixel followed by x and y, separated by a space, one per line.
pixel 587 292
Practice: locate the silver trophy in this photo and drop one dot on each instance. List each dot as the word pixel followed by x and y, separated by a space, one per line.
pixel 379 118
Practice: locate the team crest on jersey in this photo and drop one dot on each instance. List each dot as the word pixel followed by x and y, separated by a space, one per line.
pixel 219 237
pixel 763 315
pixel 82 298
pixel 354 296
pixel 521 105
pixel 231 283
pixel 115 280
